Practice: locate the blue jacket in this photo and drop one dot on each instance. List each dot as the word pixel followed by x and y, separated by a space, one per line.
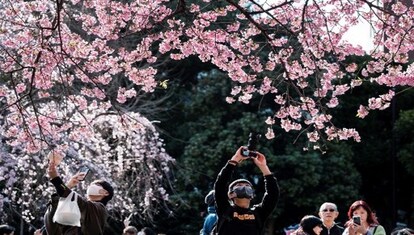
pixel 209 221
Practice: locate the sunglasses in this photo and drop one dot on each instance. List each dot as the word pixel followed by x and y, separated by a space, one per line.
pixel 330 210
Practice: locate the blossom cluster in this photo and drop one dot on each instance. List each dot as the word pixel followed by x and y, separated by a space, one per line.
pixel 301 58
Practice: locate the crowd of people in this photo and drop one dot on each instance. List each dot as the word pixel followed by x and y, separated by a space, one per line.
pixel 230 211
pixel 235 215
pixel 361 221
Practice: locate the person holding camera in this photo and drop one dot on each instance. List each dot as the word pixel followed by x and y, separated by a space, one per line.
pixel 362 220
pixel 92 209
pixel 235 213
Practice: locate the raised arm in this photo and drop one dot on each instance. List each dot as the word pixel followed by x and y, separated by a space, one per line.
pixel 62 189
pixel 223 178
pixel 271 195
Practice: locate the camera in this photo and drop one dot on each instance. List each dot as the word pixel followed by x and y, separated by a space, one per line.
pixel 356 220
pixel 250 150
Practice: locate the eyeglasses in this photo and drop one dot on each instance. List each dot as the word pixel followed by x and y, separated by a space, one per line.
pixel 330 210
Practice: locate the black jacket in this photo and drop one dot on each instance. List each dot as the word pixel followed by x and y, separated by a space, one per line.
pixel 334 230
pixel 234 220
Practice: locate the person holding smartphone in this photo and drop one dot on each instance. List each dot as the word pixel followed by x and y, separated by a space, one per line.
pixel 238 216
pixel 92 207
pixel 362 220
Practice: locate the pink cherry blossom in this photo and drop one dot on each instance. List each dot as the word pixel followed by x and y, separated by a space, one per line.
pixel 270 134
pixel 362 111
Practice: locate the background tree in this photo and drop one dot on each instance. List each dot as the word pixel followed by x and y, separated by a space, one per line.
pixel 128 154
pixel 403 127
pixel 208 131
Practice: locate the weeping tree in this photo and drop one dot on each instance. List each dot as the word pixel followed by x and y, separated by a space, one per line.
pixel 125 150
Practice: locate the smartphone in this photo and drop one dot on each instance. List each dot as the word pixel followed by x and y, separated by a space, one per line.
pixel 84 170
pixel 357 220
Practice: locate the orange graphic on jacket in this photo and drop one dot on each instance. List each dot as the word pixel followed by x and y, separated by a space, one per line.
pixel 243 216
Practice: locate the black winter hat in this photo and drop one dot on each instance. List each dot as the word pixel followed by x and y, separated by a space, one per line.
pixel 309 222
pixel 239 181
pixel 108 187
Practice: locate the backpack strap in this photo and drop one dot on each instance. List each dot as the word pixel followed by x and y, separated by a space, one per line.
pixel 375 229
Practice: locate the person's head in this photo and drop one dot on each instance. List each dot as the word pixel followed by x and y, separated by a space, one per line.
pixel 328 212
pixel 403 231
pixel 209 199
pixel 100 191
pixel 362 209
pixel 147 231
pixel 241 192
pixel 130 230
pixel 311 225
pixel 6 229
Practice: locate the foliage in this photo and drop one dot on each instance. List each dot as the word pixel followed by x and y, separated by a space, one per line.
pixel 309 179
pixel 404 160
pixel 208 132
pixel 404 132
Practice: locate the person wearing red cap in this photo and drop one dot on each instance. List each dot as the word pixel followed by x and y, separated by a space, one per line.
pixel 235 213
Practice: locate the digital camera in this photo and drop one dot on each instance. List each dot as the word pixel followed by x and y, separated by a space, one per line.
pixel 250 150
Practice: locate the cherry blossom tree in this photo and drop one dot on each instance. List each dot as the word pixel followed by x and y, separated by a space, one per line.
pixel 125 150
pixel 63 61
pixel 53 46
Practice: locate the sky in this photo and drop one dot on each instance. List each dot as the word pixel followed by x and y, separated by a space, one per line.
pixel 360 34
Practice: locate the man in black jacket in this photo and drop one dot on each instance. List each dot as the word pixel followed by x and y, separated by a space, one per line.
pixel 238 216
pixel 328 212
